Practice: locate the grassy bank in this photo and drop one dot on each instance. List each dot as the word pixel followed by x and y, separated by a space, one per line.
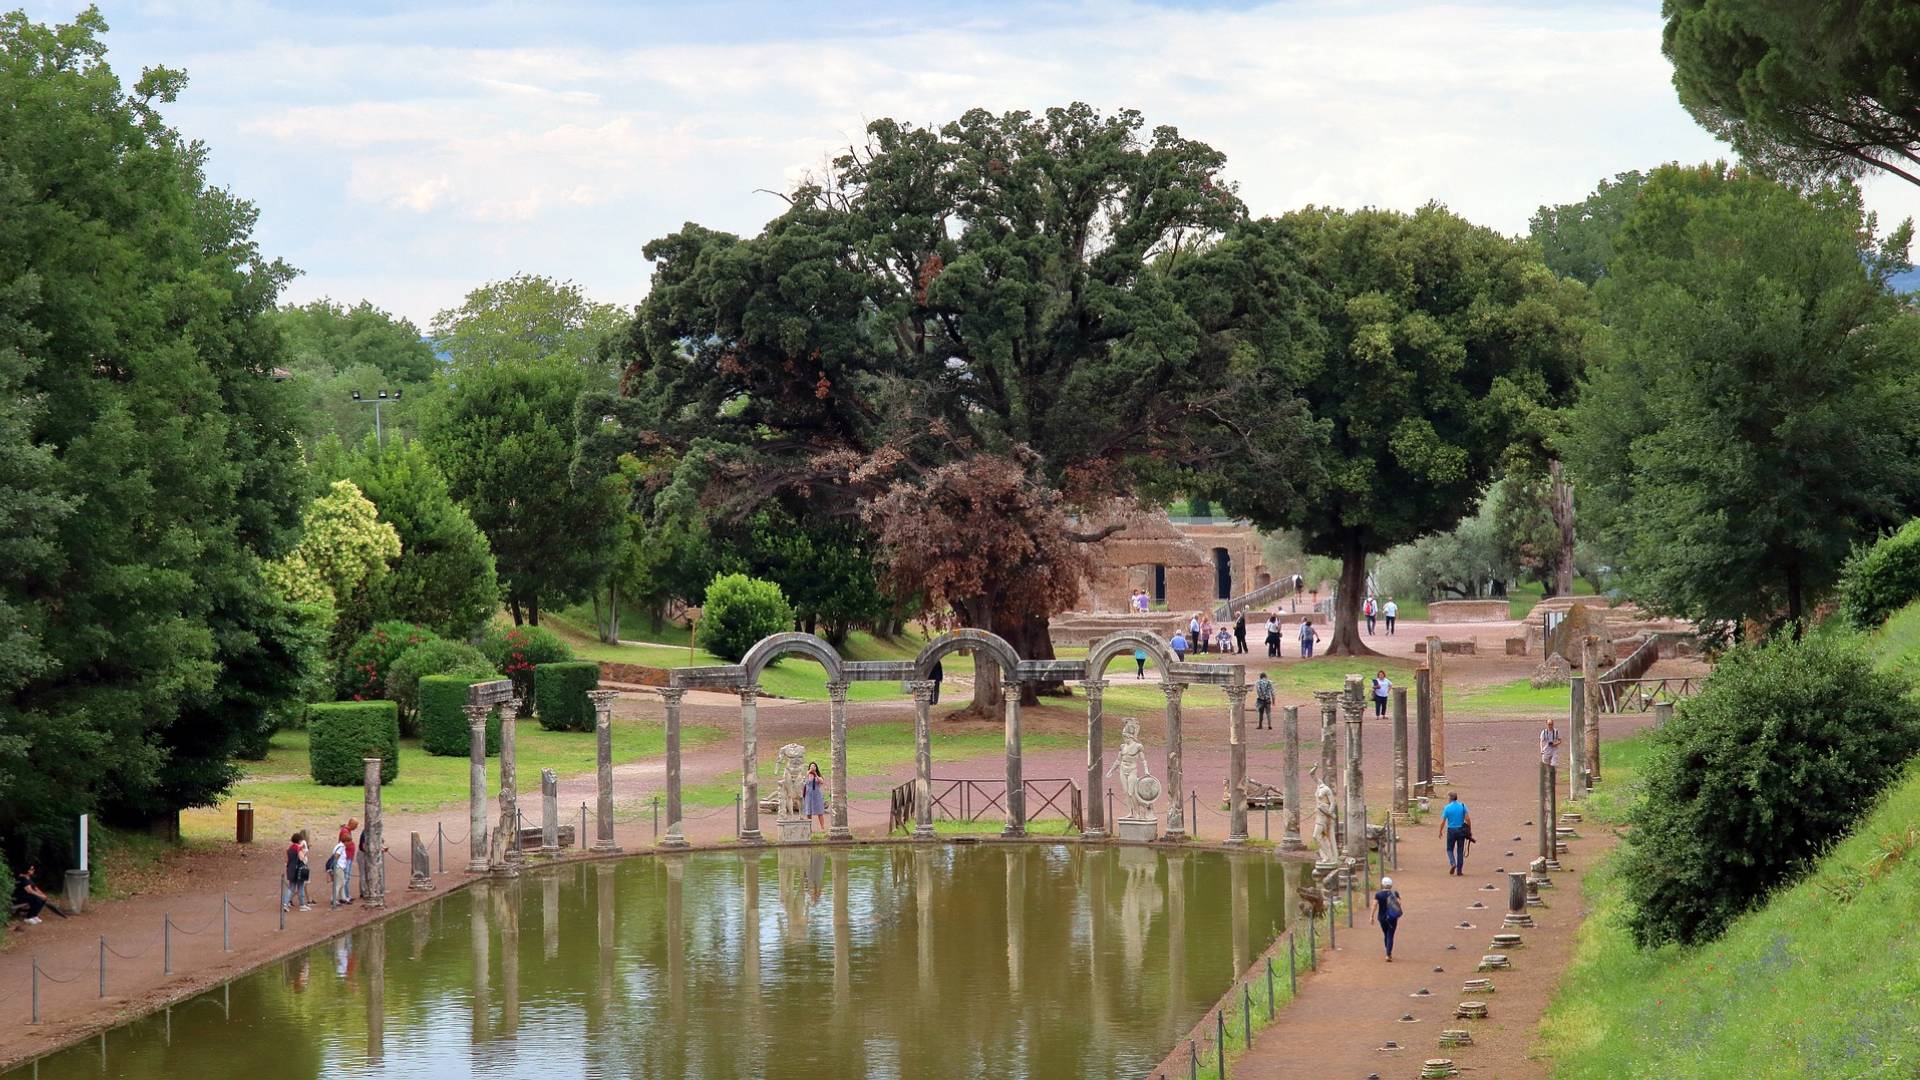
pixel 1820 981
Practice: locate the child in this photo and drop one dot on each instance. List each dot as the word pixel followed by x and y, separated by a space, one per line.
pixel 337 874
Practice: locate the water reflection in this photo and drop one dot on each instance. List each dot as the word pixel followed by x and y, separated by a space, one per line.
pixel 922 961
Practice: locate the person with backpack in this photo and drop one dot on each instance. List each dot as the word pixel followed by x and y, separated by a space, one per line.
pixel 1386 912
pixel 1370 614
pixel 296 869
pixel 1273 635
pixel 337 874
pixel 1263 702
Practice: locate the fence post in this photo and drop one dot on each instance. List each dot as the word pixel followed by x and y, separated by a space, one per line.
pixel 103 965
pixel 656 817
pixel 36 990
pixel 1349 897
pixel 1220 1039
pixel 1266 813
pixel 1194 814
pixel 1293 979
pixel 226 926
pixel 580 838
pixel 1246 1014
pixel 1313 947
pixel 1193 1060
pixel 1333 927
pixel 736 813
pixel 166 944
pixel 440 848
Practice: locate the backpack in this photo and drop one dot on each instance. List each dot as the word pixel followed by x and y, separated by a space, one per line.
pixel 1393 905
pixel 330 863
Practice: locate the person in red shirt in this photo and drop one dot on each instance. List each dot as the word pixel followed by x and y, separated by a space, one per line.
pixel 346 837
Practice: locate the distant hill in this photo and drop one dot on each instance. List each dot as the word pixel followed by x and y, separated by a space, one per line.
pixel 1906 282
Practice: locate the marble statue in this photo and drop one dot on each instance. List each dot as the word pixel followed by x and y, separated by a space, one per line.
pixel 790 779
pixel 1323 840
pixel 1131 762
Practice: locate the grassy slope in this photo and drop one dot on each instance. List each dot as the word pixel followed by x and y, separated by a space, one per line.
pixel 1805 986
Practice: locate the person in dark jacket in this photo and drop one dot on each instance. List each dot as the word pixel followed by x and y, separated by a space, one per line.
pixel 1386 912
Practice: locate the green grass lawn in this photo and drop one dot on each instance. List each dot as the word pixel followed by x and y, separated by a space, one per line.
pixel 1515 697
pixel 281 788
pixel 1805 986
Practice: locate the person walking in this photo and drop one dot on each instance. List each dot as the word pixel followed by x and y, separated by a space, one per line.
pixel 1263 702
pixel 1382 687
pixel 1386 912
pixel 1178 645
pixel 1273 635
pixel 1392 611
pixel 1370 614
pixel 1240 631
pixel 1140 662
pixel 1456 825
pixel 1307 638
pixel 813 793
pixel 1550 745
pixel 937 674
pixel 337 874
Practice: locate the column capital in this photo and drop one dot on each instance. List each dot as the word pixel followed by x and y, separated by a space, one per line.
pixel 837 692
pixel 922 690
pixel 1093 686
pixel 672 694
pixel 749 694
pixel 1173 690
pixel 602 698
pixel 1011 686
pixel 1328 697
pixel 1236 692
pixel 477 714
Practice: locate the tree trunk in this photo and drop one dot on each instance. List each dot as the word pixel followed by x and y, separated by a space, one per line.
pixel 1794 600
pixel 533 612
pixel 988 701
pixel 513 605
pixel 1030 638
pixel 1562 506
pixel 1345 639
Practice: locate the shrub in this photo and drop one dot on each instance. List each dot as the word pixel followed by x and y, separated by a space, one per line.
pixel 560 695
pixel 738 612
pixel 1785 746
pixel 436 657
pixel 363 671
pixel 1882 579
pixel 443 716
pixel 341 733
pixel 516 650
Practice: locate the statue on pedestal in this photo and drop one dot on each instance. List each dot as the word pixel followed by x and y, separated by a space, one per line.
pixel 790 786
pixel 1323 839
pixel 1138 786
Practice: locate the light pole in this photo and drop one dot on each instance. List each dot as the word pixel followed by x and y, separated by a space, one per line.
pixel 379 433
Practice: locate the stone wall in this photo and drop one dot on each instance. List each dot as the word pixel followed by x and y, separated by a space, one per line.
pixel 1460 611
pixel 1125 561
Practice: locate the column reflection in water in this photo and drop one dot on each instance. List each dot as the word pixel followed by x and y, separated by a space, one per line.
pixel 375 959
pixel 1176 934
pixel 1140 903
pixel 1095 866
pixel 1237 905
pixel 923 920
pixel 422 930
pixel 600 1016
pixel 842 943
pixel 1016 860
pixel 550 915
pixel 750 939
pixel 676 944
pixel 478 924
pixel 507 914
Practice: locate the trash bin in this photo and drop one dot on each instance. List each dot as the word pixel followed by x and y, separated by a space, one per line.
pixel 243 822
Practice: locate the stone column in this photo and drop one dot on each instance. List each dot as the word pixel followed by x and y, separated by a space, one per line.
pixel 676 830
pixel 1422 732
pixel 477 789
pixel 550 814
pixel 922 758
pixel 1544 818
pixel 1596 704
pixel 480 938
pixel 1437 684
pixel 603 776
pixel 1290 739
pixel 1096 812
pixel 1355 706
pixel 837 828
pixel 1176 786
pixel 1577 737
pixel 1016 780
pixel 1517 900
pixel 420 864
pixel 1553 818
pixel 374 957
pixel 504 852
pixel 750 764
pixel 1662 713
pixel 373 849
pixel 1237 763
pixel 1398 807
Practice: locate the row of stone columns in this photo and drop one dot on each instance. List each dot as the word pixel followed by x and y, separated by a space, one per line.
pixel 498 852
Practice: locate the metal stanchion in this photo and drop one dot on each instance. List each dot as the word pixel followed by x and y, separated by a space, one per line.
pixel 736 813
pixel 1193 1060
pixel 1293 975
pixel 1266 833
pixel 656 817
pixel 440 848
pixel 1313 947
pixel 1270 981
pixel 103 965
pixel 36 989
pixel 1220 1039
pixel 166 944
pixel 1246 1014
pixel 1194 815
pixel 226 925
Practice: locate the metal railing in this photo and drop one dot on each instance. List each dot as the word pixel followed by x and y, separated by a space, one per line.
pixel 971 800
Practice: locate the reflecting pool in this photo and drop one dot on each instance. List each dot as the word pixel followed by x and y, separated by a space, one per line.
pixel 971 960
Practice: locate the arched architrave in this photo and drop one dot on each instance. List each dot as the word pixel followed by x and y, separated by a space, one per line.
pixel 1113 644
pixel 954 640
pixel 774 646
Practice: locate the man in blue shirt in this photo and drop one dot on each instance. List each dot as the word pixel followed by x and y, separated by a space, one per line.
pixel 1456 825
pixel 1178 645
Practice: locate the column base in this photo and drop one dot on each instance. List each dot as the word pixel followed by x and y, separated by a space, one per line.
pixel 751 836
pixel 1552 864
pixel 603 847
pixel 1292 843
pixel 1013 832
pixel 549 852
pixel 1440 780
pixel 1175 836
pixel 504 870
pixel 78 885
pixel 1094 834
pixel 839 834
pixel 925 832
pixel 671 842
pixel 477 866
pixel 420 885
pixel 373 903
pixel 1235 840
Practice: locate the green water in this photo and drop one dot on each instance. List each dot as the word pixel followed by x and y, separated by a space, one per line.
pixel 936 961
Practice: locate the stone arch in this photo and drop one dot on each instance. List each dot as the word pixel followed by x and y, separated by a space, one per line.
pixel 1108 647
pixel 984 640
pixel 774 646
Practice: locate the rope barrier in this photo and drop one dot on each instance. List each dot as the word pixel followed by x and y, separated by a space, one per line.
pixel 242 910
pixel 45 974
pixel 204 927
pixel 135 956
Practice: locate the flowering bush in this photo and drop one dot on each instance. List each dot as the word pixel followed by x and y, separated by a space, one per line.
pixel 516 650
pixel 363 671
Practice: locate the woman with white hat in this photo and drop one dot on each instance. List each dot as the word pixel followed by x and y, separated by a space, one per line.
pixel 1386 911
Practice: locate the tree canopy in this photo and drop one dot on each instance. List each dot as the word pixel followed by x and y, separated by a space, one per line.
pixel 1067 303
pixel 1753 418
pixel 1576 239
pixel 332 350
pixel 1803 89
pixel 1439 343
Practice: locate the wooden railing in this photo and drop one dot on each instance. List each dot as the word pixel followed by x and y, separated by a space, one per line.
pixel 1272 589
pixel 1639 695
pixel 971 800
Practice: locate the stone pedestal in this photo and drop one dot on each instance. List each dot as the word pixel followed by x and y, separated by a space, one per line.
pixel 74 894
pixel 795 830
pixel 1138 830
pixel 420 878
pixel 549 814
pixel 1332 876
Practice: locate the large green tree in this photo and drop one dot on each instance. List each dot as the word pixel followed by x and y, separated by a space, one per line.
pixel 1576 239
pixel 1803 89
pixel 1000 325
pixel 332 350
pixel 444 578
pixel 1440 344
pixel 134 304
pixel 1754 416
pixel 525 318
pixel 503 434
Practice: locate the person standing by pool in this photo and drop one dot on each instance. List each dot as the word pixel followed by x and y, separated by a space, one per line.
pixel 1386 912
pixel 1307 637
pixel 1456 825
pixel 1382 687
pixel 306 869
pixel 346 865
pixel 814 796
pixel 295 864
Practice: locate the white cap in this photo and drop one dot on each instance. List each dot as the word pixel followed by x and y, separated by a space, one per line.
pixel 1386 883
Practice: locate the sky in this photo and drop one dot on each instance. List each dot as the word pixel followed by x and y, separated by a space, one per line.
pixel 404 153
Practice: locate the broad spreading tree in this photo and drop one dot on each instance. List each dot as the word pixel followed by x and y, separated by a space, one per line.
pixel 1754 415
pixel 1439 345
pixel 1803 89
pixel 332 350
pixel 1004 324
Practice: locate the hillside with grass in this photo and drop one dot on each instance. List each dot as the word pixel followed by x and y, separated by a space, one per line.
pixel 1822 980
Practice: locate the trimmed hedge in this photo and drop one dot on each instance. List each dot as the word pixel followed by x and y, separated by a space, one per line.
pixel 1882 579
pixel 560 695
pixel 738 612
pixel 443 716
pixel 515 651
pixel 341 733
